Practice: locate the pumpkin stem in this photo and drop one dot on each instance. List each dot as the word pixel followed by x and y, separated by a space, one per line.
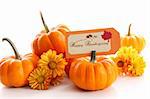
pixel 13 47
pixel 93 56
pixel 129 30
pixel 45 25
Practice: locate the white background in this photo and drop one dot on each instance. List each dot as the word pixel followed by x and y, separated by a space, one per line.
pixel 20 21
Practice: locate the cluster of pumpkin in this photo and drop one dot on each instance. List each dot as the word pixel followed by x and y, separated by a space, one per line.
pixel 44 66
pixel 47 64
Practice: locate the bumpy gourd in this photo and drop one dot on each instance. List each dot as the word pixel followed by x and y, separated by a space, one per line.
pixel 50 39
pixel 14 70
pixel 93 74
pixel 136 41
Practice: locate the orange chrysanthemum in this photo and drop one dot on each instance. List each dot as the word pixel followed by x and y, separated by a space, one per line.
pixel 54 63
pixel 129 62
pixel 39 79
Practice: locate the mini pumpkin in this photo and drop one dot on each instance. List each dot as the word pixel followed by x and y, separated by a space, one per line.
pixel 50 39
pixel 93 74
pixel 14 70
pixel 136 41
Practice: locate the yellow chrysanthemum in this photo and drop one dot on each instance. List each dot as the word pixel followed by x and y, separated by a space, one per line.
pixel 53 62
pixel 129 62
pixel 138 66
pixel 39 79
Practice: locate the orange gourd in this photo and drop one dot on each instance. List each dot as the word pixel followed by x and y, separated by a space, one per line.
pixel 93 74
pixel 50 39
pixel 14 70
pixel 136 41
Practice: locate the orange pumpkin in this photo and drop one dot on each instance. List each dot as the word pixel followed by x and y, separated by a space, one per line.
pixel 136 41
pixel 54 39
pixel 94 74
pixel 14 70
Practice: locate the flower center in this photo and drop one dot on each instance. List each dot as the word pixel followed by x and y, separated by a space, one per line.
pixel 52 65
pixel 40 79
pixel 120 64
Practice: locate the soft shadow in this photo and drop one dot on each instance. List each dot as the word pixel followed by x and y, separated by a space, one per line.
pixel 105 93
pixel 19 92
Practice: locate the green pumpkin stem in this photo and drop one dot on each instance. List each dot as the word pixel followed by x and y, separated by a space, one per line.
pixel 129 33
pixel 17 55
pixel 93 56
pixel 44 24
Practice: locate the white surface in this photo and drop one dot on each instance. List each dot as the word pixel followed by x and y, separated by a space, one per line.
pixel 20 21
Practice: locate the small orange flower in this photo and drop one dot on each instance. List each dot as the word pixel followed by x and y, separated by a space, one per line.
pixel 129 62
pixel 54 63
pixel 39 79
